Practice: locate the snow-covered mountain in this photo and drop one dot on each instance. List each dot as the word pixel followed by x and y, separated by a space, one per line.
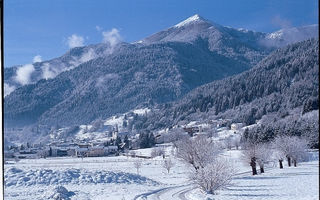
pixel 221 38
pixel 226 41
pixel 291 35
pixel 193 28
pixel 95 81
pixel 17 76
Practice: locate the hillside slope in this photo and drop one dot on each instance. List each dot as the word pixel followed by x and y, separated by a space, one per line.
pixel 285 80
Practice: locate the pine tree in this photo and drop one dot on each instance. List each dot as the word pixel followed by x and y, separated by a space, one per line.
pixel 127 142
pixel 144 140
pixel 152 140
pixel 118 142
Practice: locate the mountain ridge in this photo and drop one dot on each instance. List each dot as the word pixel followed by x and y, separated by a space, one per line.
pixel 251 41
pixel 105 81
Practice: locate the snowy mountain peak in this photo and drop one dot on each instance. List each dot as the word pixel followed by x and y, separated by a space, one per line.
pixel 291 35
pixel 303 31
pixel 192 19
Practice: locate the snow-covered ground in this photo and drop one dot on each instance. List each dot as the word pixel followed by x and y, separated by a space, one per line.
pixel 301 182
pixel 117 178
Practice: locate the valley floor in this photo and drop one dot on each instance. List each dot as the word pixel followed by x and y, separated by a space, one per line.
pixel 117 178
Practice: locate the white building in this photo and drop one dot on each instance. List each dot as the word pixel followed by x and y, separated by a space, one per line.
pixel 236 126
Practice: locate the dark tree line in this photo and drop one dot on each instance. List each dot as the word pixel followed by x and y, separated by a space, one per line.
pixel 146 140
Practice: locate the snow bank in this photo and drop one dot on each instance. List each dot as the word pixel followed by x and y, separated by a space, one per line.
pixel 19 177
pixel 58 193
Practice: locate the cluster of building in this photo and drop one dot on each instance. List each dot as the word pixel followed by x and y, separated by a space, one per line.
pixel 197 128
pixel 59 149
pixel 102 145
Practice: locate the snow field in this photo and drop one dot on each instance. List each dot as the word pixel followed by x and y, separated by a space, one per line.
pixel 117 178
pixel 300 183
pixel 89 178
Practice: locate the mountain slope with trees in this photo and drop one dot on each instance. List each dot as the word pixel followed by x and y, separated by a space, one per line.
pixel 285 80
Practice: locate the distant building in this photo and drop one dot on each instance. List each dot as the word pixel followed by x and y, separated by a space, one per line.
pixel 26 154
pixel 82 152
pixel 59 152
pixel 72 151
pixel 84 145
pixel 236 126
pixel 110 149
pixel 213 123
pixel 192 130
pixel 96 151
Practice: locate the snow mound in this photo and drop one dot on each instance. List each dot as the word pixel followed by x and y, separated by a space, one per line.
pixel 19 177
pixel 58 193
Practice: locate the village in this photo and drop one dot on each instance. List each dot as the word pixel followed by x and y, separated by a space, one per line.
pixel 109 140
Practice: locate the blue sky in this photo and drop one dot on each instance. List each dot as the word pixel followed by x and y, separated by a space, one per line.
pixel 44 27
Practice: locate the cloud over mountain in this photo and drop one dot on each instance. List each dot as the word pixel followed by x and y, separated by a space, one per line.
pixel 111 37
pixel 75 41
pixel 37 58
pixel 23 74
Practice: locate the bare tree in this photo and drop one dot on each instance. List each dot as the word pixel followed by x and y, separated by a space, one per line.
pixel 214 176
pixel 299 152
pixel 137 164
pixel 158 151
pixel 197 151
pixel 177 136
pixel 263 155
pixel 168 164
pixel 250 155
pixel 174 135
pixel 279 156
pixel 282 144
pixel 208 171
pixel 291 147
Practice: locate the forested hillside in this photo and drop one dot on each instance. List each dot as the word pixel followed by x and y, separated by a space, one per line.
pixel 285 80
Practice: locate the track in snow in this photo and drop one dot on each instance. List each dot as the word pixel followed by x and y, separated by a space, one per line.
pixel 167 193
pixel 176 192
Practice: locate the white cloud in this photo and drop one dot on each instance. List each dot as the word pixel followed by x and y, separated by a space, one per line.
pixel 47 73
pixel 37 58
pixel 111 37
pixel 98 28
pixel 8 89
pixel 90 54
pixel 23 74
pixel 75 41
